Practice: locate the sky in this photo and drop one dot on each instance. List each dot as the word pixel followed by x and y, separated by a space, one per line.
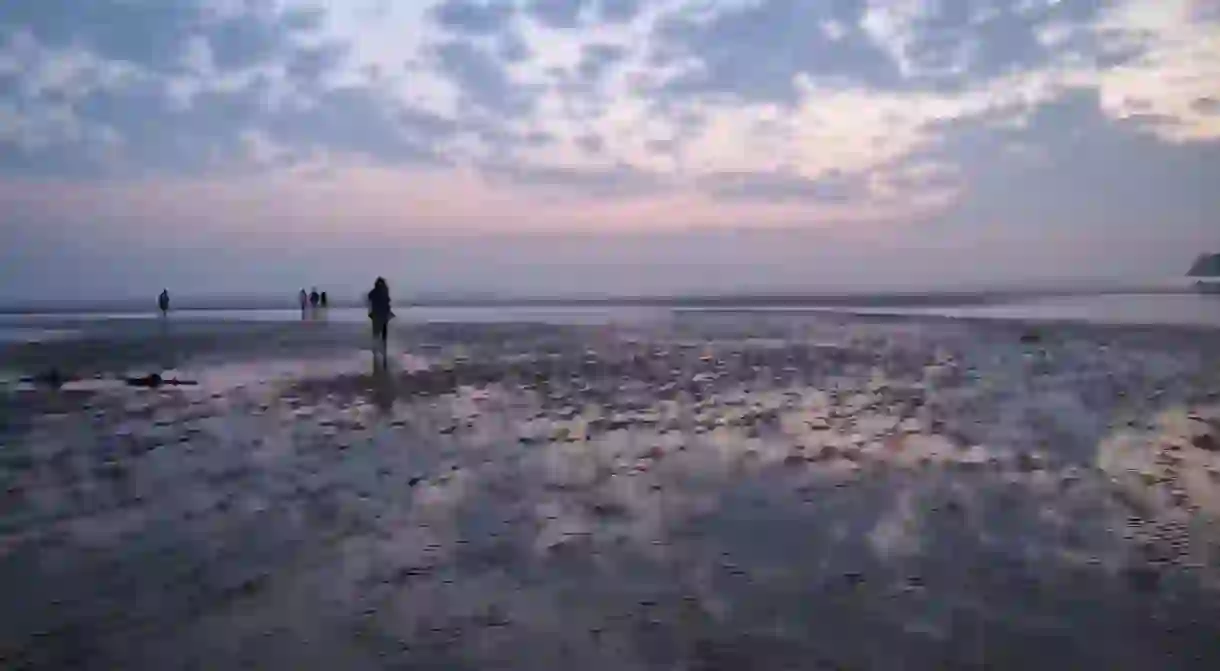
pixel 602 146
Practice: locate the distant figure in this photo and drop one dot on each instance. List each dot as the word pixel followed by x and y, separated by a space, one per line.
pixel 322 300
pixel 163 302
pixel 379 310
pixel 313 298
pixel 304 301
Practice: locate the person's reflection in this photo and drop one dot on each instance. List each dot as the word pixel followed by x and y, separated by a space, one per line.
pixel 382 384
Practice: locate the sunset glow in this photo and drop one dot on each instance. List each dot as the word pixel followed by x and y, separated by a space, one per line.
pixel 413 122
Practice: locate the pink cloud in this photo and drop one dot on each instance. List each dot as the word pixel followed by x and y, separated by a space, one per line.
pixel 413 203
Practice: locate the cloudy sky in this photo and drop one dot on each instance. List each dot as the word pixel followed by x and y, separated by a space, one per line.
pixel 547 146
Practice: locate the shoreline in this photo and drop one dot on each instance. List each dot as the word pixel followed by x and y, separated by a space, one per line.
pixel 930 298
pixel 82 356
pixel 98 355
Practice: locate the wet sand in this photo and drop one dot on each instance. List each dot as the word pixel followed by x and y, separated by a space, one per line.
pixel 716 491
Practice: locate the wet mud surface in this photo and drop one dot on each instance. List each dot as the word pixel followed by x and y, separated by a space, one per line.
pixel 714 492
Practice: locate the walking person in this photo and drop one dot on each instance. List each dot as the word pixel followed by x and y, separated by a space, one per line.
pixel 163 302
pixel 380 312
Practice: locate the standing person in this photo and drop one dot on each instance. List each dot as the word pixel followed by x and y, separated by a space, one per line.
pixel 322 300
pixel 304 297
pixel 379 311
pixel 313 297
pixel 167 353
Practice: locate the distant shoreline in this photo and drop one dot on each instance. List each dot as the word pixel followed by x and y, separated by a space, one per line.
pixel 877 299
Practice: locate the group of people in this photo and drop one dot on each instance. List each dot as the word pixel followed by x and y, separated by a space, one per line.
pixel 377 301
pixel 313 300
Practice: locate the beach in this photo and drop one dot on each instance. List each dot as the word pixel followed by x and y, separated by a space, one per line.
pixel 659 489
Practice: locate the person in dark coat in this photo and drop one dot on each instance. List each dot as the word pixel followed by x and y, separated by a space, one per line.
pixel 322 300
pixel 380 312
pixel 163 302
pixel 313 298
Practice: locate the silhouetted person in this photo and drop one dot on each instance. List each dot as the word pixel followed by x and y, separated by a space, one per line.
pixel 322 299
pixel 313 298
pixel 304 297
pixel 379 311
pixel 163 302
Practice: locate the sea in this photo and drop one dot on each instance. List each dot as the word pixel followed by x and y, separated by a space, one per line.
pixel 1131 309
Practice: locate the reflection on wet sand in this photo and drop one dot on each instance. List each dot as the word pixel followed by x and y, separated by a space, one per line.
pixel 382 383
pixel 790 492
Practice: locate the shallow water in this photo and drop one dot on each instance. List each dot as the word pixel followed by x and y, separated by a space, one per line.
pixel 722 491
pixel 1126 309
pixel 410 315
pixel 1185 308
pixel 29 333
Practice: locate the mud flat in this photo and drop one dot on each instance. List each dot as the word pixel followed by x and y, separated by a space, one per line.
pixel 716 491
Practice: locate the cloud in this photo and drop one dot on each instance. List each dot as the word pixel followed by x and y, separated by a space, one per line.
pixel 557 13
pixel 102 120
pixel 307 65
pixel 146 33
pixel 755 52
pixel 602 182
pixel 782 187
pixel 473 17
pixel 357 121
pixel 570 14
pixel 1075 166
pixel 593 144
pixel 618 11
pixel 512 48
pixel 596 60
pixel 813 108
pixel 134 127
pixel 157 35
pixel 480 78
pixel 139 88
pixel 241 42
pixel 1177 63
pixel 959 41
